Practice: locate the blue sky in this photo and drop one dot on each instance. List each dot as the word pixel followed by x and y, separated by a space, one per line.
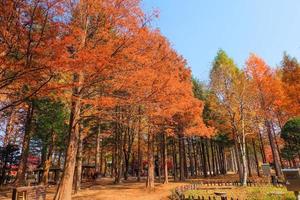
pixel 198 28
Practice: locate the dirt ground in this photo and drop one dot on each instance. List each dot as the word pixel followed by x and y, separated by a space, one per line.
pixel 126 191
pixel 106 190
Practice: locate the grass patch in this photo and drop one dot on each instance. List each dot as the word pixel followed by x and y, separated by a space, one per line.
pixel 249 193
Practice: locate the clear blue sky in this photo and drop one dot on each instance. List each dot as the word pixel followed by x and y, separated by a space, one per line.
pixel 198 28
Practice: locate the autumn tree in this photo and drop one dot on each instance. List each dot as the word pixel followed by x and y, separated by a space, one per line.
pixel 268 92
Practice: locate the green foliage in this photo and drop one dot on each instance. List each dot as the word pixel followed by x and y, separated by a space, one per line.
pixel 223 139
pixel 289 66
pixel 50 119
pixel 199 90
pixel 223 63
pixel 291 135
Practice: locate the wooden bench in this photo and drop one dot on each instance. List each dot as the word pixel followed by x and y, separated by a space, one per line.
pixel 29 193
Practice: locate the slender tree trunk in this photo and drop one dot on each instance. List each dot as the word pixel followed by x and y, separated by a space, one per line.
pixel 105 167
pixel 126 153
pixel 64 190
pixel 273 148
pixel 256 159
pixel 243 150
pixel 48 162
pixel 181 158
pixel 199 156
pixel 192 166
pixel 158 168
pixel 150 177
pixel 119 146
pixel 79 164
pixel 208 156
pixel 20 180
pixel 101 157
pixel 248 160
pixel 113 163
pixel 237 156
pixel 195 156
pixel 277 145
pixel 165 157
pixel 262 147
pixel 186 174
pixel 98 151
pixel 174 159
pixel 244 162
pixel 204 164
pixel 213 157
pixel 139 164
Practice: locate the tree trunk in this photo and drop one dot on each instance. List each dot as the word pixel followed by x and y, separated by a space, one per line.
pixel 277 145
pixel 20 180
pixel 165 157
pixel 256 159
pixel 273 148
pixel 243 151
pixel 150 176
pixel 48 162
pixel 244 161
pixel 174 149
pixel 208 157
pixel 213 157
pixel 248 160
pixel 195 156
pixel 98 151
pixel 192 166
pixel 186 174
pixel 119 147
pixel 64 190
pixel 237 156
pixel 181 158
pixel 79 165
pixel 262 147
pixel 204 164
pixel 139 164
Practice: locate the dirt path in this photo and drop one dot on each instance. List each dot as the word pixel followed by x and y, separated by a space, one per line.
pixel 106 190
pixel 126 191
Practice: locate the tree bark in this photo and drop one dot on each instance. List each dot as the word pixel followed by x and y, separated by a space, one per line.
pixel 192 166
pixel 273 148
pixel 256 159
pixel 150 176
pixel 20 180
pixel 203 152
pixel 98 151
pixel 237 155
pixel 248 160
pixel 181 158
pixel 208 157
pixel 195 156
pixel 48 162
pixel 213 157
pixel 262 147
pixel 139 164
pixel 64 190
pixel 79 164
pixel 174 159
pixel 165 159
